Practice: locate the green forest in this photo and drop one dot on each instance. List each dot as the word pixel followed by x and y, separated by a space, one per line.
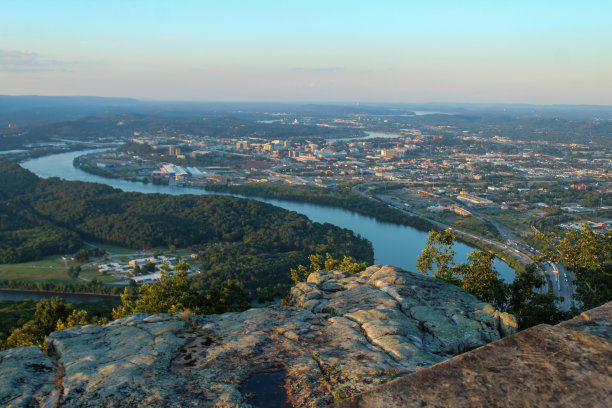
pixel 244 240
pixel 342 197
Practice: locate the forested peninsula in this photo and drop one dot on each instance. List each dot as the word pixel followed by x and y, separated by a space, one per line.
pixel 245 240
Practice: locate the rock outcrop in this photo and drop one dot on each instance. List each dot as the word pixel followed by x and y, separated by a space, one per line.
pixel 568 365
pixel 339 335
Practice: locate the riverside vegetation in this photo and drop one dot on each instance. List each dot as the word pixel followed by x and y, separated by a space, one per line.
pixel 585 253
pixel 235 239
pixel 229 244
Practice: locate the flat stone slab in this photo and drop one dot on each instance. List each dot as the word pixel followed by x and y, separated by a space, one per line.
pixel 544 366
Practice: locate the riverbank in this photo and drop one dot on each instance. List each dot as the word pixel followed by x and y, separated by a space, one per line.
pixel 334 198
pixel 81 288
pixel 53 293
pixel 341 197
pixel 393 244
pixel 87 167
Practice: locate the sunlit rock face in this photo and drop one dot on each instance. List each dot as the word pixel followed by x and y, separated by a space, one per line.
pixel 567 365
pixel 338 335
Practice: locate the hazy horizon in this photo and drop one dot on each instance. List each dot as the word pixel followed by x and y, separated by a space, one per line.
pixel 341 52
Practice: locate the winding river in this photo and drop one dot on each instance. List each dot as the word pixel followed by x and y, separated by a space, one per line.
pixel 393 244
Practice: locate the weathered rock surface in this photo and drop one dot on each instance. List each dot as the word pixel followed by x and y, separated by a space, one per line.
pixel 26 378
pixel 568 365
pixel 342 335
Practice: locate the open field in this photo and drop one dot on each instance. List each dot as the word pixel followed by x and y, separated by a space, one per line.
pixel 50 269
pixel 91 272
pixel 115 249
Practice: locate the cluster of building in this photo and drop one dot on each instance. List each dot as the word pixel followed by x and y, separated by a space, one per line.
pixel 408 155
pixel 601 227
pixel 476 202
pixel 452 208
pixel 480 172
pixel 180 173
pixel 133 270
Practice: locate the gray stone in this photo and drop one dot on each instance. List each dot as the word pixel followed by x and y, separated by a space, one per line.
pixel 339 333
pixel 27 378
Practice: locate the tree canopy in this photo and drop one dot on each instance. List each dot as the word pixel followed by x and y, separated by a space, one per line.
pixel 589 255
pixel 439 251
pixel 174 293
pixel 248 241
pixel 523 297
pixel 50 315
pixel 348 263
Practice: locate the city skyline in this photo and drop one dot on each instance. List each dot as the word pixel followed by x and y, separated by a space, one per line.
pixel 310 51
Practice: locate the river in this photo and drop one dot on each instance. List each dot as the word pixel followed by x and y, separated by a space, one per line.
pixel 393 244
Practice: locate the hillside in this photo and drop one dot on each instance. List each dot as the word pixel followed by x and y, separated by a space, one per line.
pixel 246 240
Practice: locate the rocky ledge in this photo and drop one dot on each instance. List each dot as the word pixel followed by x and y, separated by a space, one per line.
pixel 339 336
pixel 567 365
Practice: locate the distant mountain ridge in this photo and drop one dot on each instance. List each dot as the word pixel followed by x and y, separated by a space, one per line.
pixel 25 110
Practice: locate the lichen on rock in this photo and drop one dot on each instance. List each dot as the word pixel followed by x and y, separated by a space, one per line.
pixel 340 334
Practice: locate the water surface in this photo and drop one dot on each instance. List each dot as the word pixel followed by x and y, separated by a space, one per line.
pixel 393 244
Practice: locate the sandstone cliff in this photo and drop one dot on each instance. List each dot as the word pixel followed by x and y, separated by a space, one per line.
pixel 341 335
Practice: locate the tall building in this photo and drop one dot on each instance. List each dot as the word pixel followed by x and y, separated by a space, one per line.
pixel 174 151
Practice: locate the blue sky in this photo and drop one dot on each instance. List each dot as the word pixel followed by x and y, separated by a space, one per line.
pixel 404 51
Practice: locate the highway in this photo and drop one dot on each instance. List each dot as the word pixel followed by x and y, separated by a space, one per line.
pixel 559 278
pixel 399 205
pixel 562 284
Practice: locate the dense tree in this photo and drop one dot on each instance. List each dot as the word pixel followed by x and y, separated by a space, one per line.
pixel 175 293
pixel 480 278
pixel 19 318
pixel 81 256
pixel 46 316
pixel 244 240
pixel 477 276
pixel 230 296
pixel 76 318
pixel 348 263
pixel 171 294
pixel 30 334
pixel 73 272
pixel 589 256
pixel 439 251
pixel 49 312
pixel 528 304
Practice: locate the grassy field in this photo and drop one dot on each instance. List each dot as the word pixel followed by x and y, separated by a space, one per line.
pixel 91 272
pixel 50 269
pixel 115 249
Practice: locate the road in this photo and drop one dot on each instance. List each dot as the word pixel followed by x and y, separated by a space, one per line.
pixel 399 205
pixel 562 284
pixel 561 280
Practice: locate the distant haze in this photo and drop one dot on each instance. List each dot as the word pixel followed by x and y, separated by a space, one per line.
pixel 240 50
